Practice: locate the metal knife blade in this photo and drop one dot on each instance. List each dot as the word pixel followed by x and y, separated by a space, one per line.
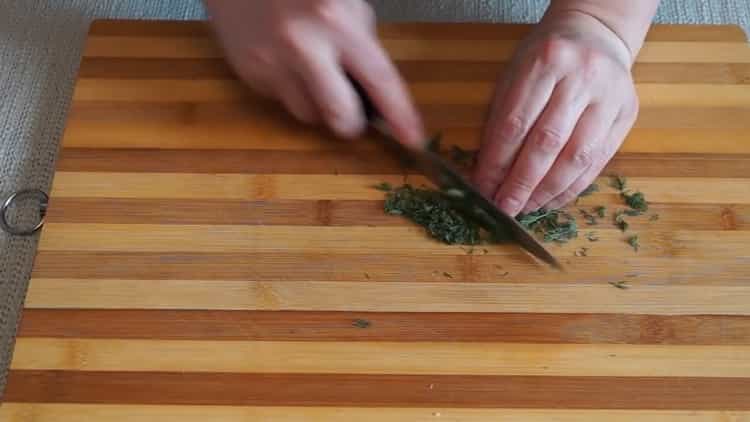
pixel 451 182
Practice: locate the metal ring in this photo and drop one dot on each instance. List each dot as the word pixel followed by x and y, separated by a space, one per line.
pixel 28 193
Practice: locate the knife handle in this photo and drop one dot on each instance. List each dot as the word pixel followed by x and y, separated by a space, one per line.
pixel 371 112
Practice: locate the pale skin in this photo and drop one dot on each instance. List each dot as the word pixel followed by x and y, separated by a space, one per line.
pixel 560 112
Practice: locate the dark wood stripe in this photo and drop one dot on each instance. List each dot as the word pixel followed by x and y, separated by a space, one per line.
pixel 397 327
pixel 163 28
pixel 293 266
pixel 378 390
pixel 342 213
pixel 358 158
pixel 438 71
pixel 436 116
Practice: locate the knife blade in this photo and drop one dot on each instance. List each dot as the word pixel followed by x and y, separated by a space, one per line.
pixel 456 187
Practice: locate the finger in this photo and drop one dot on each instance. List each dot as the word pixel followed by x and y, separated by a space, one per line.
pixel 294 95
pixel 336 102
pixel 577 156
pixel 544 143
pixel 512 116
pixel 606 151
pixel 370 65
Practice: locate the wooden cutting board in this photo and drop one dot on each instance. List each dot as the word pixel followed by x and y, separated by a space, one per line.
pixel 208 259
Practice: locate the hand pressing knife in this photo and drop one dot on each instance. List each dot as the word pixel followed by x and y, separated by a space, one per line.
pixel 456 187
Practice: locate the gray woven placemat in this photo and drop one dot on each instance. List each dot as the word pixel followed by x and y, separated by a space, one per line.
pixel 40 47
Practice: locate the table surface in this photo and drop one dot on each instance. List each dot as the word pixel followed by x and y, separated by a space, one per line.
pixel 207 258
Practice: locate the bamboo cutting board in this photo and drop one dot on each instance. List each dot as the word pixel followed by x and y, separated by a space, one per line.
pixel 206 258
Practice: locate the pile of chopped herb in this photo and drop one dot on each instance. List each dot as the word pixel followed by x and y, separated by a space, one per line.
pixel 433 211
pixel 636 201
pixel 553 225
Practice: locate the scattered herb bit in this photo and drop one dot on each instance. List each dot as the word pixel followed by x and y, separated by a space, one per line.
pixel 485 251
pixel 632 213
pixel 361 323
pixel 654 217
pixel 434 144
pixel 618 182
pixel 367 276
pixel 432 210
pixel 620 221
pixel 590 218
pixel 634 242
pixel 592 237
pixel 461 157
pixel 622 285
pixel 593 188
pixel 448 275
pixel 601 211
pixel 385 187
pixel 582 252
pixel 636 201
pixel 553 225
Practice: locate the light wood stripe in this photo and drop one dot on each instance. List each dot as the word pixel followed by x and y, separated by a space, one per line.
pixel 416 49
pixel 424 93
pixel 43 412
pixel 343 187
pixel 386 297
pixel 386 326
pixel 304 266
pixel 422 358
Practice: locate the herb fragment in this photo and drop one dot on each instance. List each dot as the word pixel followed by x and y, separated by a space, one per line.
pixel 636 201
pixel 620 221
pixel 593 188
pixel 580 252
pixel 447 275
pixel 601 211
pixel 618 182
pixel 590 218
pixel 553 225
pixel 432 210
pixel 622 285
pixel 592 237
pixel 632 213
pixel 634 242
pixel 385 187
pixel 361 323
pixel 654 217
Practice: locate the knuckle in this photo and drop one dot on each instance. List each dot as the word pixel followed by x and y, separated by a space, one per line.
pixel 583 158
pixel 594 66
pixel 332 13
pixel 512 129
pixel 519 187
pixel 292 38
pixel 554 50
pixel 549 140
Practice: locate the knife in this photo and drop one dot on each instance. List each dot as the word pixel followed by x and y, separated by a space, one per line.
pixel 455 187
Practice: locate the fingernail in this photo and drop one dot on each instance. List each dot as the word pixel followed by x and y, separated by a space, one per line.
pixel 510 206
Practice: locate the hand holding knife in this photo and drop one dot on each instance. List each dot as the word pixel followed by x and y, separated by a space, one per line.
pixel 441 173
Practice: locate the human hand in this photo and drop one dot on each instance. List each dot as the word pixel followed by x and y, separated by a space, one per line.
pixel 560 114
pixel 300 51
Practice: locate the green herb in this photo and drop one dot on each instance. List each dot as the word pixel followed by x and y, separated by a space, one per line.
pixel 590 218
pixel 432 210
pixel 654 217
pixel 361 323
pixel 385 187
pixel 632 213
pixel 622 285
pixel 461 157
pixel 636 201
pixel 593 188
pixel 592 237
pixel 634 242
pixel 552 225
pixel 601 211
pixel 620 221
pixel 618 182
pixel 582 252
